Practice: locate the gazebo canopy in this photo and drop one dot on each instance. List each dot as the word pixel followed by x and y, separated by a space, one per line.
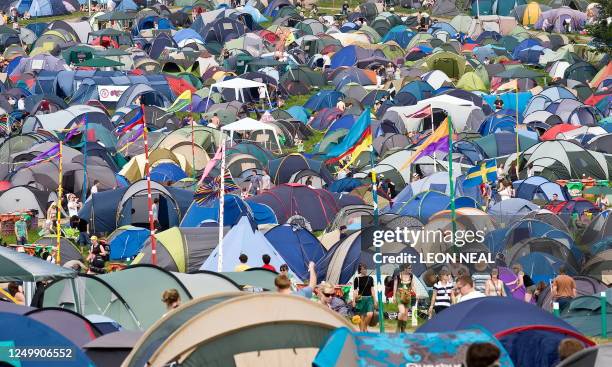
pixel 238 84
pixel 249 124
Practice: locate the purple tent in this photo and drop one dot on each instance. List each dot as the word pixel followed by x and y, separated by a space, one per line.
pixel 556 17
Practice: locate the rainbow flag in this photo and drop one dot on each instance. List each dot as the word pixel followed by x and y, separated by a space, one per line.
pixel 181 102
pixel 358 133
pixel 435 141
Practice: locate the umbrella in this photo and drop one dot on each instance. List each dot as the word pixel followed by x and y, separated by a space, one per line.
pixel 100 62
pixel 519 72
pixel 599 190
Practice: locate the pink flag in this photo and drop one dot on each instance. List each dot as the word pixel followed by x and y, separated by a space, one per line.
pixel 211 164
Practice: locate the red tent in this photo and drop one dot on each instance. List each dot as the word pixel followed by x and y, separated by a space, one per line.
pixel 551 134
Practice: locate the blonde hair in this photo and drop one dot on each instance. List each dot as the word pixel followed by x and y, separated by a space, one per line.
pixel 170 296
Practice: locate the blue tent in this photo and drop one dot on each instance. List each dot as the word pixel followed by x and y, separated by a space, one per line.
pixel 165 172
pixel 126 242
pixel 411 93
pixel 323 99
pixel 349 348
pixel 299 113
pixel 513 209
pixel 42 8
pixel 531 55
pixel 187 33
pixel 543 267
pixel 127 5
pixel 262 214
pixel 540 188
pixel 346 184
pixel 344 122
pixel 400 34
pixel 297 246
pixel 233 209
pixel 243 239
pixel 428 203
pixel 529 42
pixel 527 229
pixel 24 332
pixel 509 100
pixel 522 327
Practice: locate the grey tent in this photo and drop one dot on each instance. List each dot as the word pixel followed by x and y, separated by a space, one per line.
pixel 445 8
pixel 597 356
pixel 26 198
pixel 19 267
pixel 147 94
pixel 111 349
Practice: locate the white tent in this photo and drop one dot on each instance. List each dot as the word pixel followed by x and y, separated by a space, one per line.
pixel 249 124
pixel 238 85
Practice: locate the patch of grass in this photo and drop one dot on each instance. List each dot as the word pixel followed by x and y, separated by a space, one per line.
pixel 33 236
pixel 71 16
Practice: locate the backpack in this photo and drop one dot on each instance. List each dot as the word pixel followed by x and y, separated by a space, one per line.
pixel 527 281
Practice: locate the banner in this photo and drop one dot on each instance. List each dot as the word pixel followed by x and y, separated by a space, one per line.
pixel 111 93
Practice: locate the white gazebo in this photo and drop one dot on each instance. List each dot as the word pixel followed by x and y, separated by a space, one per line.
pixel 249 124
pixel 238 85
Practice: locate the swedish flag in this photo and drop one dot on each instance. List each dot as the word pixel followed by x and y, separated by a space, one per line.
pixel 485 172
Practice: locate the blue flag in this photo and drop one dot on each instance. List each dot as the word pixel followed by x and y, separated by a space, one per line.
pixel 485 172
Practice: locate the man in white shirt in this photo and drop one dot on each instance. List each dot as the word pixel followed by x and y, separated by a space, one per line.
pixel 465 286
pixel 94 188
pixel 266 181
pixel 21 104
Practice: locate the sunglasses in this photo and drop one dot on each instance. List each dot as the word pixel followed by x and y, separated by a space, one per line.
pixel 328 294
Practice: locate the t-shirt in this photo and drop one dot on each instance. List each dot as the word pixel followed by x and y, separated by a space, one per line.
pixel 269 267
pixel 472 295
pixel 265 182
pixel 565 285
pixel 73 208
pixel 364 285
pixel 241 267
pixel 255 183
pixel 480 281
pixel 443 294
pixel 21 227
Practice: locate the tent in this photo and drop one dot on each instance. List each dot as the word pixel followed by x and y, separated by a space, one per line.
pixel 180 249
pixel 238 85
pixel 523 325
pixel 68 323
pixel 295 340
pixel 25 332
pixel 111 349
pixel 596 356
pixel 126 241
pixel 347 348
pixel 242 239
pixel 248 124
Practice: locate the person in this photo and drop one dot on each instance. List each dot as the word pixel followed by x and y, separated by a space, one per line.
pixel 403 290
pixel 73 205
pixel 283 283
pixel 329 298
pixel 284 270
pixel 263 92
pixel 94 187
pixel 96 257
pixel 172 299
pixel 341 105
pixel 540 288
pixel 397 75
pixel 155 213
pixel 482 355
pixel 266 181
pixel 214 121
pixel 568 347
pixel 345 8
pixel 21 230
pixel 522 280
pixel 567 25
pixel 486 192
pixel 16 292
pixel 442 296
pixel 602 202
pixel 499 104
pixel 266 260
pixel 52 256
pixel 390 71
pixel 255 185
pixel 309 183
pixel 563 289
pixel 51 217
pixel 363 297
pixel 505 190
pixel 495 286
pixel 243 258
pixel 486 61
pixel 21 103
pixel 343 233
pixel 465 286
pixel 555 199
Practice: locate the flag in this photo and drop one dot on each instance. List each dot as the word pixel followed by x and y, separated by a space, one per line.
pixel 436 138
pixel 438 146
pixel 365 145
pixel 181 102
pixel 511 85
pixel 485 172
pixel 135 121
pixel 420 114
pixel 210 188
pixel 44 156
pixel 212 163
pixel 359 131
pixel 75 129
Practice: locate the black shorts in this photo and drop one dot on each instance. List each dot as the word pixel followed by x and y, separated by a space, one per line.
pixel 438 309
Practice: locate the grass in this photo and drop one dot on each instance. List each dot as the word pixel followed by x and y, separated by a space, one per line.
pixel 75 15
pixel 33 236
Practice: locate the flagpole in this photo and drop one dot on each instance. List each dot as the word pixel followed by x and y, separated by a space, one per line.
pixel 432 131
pixel 192 143
pixel 451 183
pixel 517 130
pixel 149 196
pixel 84 192
pixel 60 193
pixel 375 202
pixel 221 211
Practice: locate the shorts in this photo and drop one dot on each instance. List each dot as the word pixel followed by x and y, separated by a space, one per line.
pixel 438 309
pixel 21 241
pixel 364 305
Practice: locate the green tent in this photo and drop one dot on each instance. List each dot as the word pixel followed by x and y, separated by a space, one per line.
pixel 100 62
pixel 450 63
pixel 19 267
pixel 470 81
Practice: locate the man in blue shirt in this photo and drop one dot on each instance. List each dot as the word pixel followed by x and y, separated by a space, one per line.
pixel 21 231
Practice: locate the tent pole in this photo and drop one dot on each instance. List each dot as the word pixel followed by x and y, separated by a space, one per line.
pixel 84 193
pixel 193 175
pixel 221 211
pixel 28 292
pixel 451 183
pixel 375 202
pixel 60 193
pixel 149 196
pixel 75 295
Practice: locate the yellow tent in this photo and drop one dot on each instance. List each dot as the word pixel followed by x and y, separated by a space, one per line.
pixel 472 82
pixel 134 170
pixel 531 13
